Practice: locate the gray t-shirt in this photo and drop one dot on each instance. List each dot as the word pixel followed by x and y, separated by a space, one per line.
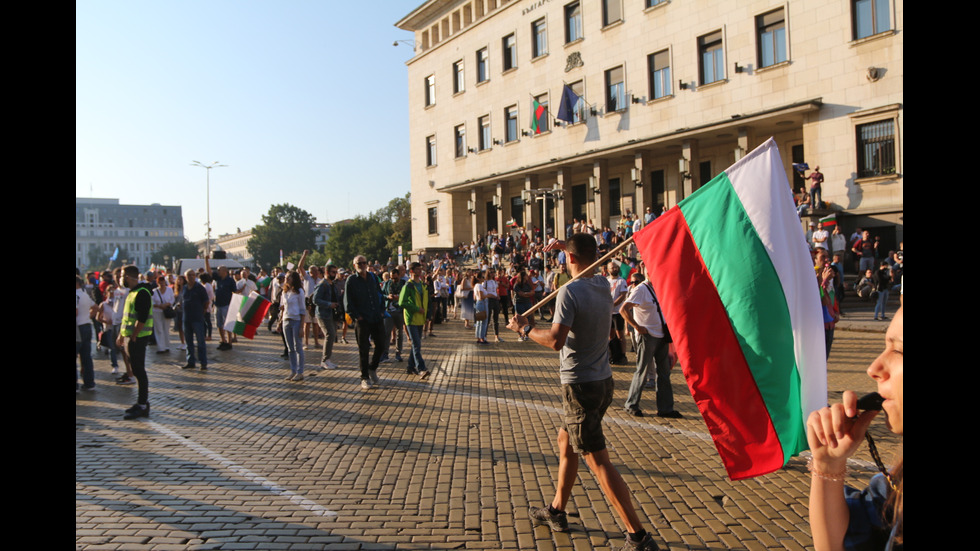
pixel 585 306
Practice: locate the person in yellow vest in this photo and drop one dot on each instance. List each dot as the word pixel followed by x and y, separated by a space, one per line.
pixel 134 333
pixel 414 301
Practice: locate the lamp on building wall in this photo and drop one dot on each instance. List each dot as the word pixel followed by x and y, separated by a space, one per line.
pixel 684 167
pixel 405 42
pixel 594 185
pixel 681 85
pixel 207 249
pixel 497 142
pixel 739 68
pixel 470 206
pixel 496 202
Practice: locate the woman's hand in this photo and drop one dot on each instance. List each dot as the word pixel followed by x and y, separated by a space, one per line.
pixel 835 432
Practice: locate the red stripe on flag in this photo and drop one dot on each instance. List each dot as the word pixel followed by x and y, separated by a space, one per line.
pixel 708 350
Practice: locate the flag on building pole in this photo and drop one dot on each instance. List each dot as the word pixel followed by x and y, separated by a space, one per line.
pixel 245 314
pixel 829 221
pixel 569 106
pixel 731 268
pixel 539 113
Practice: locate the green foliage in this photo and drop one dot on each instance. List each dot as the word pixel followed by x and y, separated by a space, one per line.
pixel 99 259
pixel 376 236
pixel 285 227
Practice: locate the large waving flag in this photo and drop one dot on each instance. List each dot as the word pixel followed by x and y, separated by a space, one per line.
pixel 731 268
pixel 245 314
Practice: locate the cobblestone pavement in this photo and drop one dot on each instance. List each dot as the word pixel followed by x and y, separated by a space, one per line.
pixel 238 458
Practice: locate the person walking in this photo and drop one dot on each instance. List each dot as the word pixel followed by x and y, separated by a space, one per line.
pixel 134 333
pixel 580 331
pixel 414 303
pixel 362 301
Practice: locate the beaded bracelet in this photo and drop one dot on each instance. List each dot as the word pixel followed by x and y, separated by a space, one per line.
pixel 833 477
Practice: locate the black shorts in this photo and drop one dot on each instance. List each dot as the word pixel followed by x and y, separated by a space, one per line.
pixel 584 406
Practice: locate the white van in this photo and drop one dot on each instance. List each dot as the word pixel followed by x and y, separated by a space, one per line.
pixel 195 264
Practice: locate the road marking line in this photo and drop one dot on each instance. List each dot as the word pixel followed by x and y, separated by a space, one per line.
pixel 247 474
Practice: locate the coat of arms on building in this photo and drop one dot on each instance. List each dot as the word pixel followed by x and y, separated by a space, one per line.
pixel 574 60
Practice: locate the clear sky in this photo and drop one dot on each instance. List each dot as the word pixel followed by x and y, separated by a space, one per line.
pixel 305 101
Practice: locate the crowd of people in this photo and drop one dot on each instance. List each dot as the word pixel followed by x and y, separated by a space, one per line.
pixel 386 305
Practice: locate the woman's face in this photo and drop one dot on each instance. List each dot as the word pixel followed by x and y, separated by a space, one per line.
pixel 886 370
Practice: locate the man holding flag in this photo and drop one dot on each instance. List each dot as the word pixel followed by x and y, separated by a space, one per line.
pixel 580 331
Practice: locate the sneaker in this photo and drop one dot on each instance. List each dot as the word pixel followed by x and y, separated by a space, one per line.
pixel 635 412
pixel 115 371
pixel 424 375
pixel 290 377
pixel 188 366
pixel 398 358
pixel 298 377
pixel 136 412
pixel 331 365
pixel 125 380
pixel 374 376
pixel 557 521
pixel 204 368
pixel 646 544
pixel 365 384
pixel 671 415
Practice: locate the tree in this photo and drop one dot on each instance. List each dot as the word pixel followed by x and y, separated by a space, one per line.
pixel 175 250
pixel 98 258
pixel 376 236
pixel 285 228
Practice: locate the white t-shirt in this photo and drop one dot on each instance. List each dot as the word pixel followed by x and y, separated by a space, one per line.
pixel 617 287
pixel 83 303
pixel 825 236
pixel 645 311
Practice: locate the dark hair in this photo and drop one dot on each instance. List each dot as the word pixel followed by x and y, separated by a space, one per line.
pixel 583 246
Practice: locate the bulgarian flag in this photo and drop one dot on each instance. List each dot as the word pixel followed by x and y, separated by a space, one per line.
pixel 828 221
pixel 539 120
pixel 731 268
pixel 624 269
pixel 245 314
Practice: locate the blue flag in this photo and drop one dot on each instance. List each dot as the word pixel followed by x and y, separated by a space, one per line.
pixel 570 104
pixel 115 255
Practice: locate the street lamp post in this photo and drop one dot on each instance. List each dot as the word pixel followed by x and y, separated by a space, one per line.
pixel 207 247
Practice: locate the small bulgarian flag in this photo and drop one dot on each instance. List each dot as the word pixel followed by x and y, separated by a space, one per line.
pixel 539 121
pixel 828 221
pixel 624 269
pixel 731 268
pixel 245 314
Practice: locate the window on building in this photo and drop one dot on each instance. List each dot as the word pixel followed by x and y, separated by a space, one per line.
pixel 539 38
pixel 459 77
pixel 771 37
pixel 578 112
pixel 510 123
pixel 659 74
pixel 459 138
pixel 509 51
pixel 712 58
pixel 430 151
pixel 485 139
pixel 612 11
pixel 615 198
pixel 482 56
pixel 652 3
pixel 573 22
pixel 615 89
pixel 876 149
pixel 430 90
pixel 542 121
pixel 433 220
pixel 870 17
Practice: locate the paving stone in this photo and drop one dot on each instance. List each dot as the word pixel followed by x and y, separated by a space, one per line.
pixel 236 458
